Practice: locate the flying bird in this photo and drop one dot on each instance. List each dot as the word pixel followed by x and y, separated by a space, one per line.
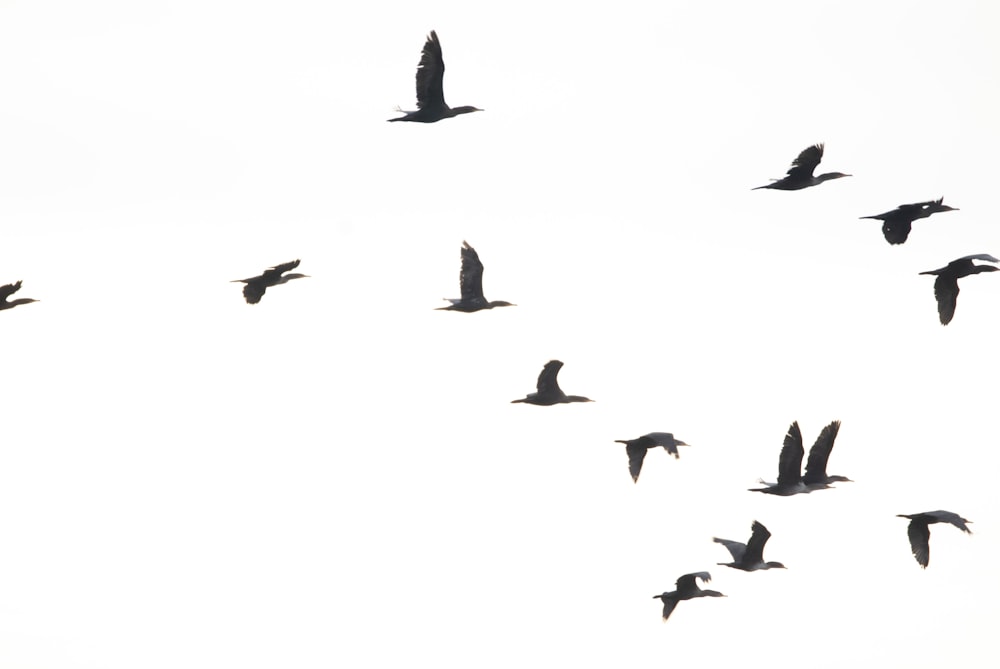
pixel 431 106
pixel 896 223
pixel 790 479
pixel 920 533
pixel 471 281
pixel 548 391
pixel 7 291
pixel 636 449
pixel 749 556
pixel 946 283
pixel 800 174
pixel 275 276
pixel 687 588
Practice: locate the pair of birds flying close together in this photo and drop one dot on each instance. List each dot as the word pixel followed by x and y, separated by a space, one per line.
pixel 791 481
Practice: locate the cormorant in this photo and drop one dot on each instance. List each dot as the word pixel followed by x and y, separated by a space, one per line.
pixel 749 556
pixel 946 283
pixel 800 174
pixel 920 533
pixel 7 291
pixel 257 285
pixel 790 479
pixel 896 223
pixel 471 280
pixel 431 106
pixel 636 449
pixel 687 588
pixel 548 391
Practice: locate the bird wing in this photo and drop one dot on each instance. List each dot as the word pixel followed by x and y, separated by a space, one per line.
pixel 950 517
pixel 636 454
pixel 547 382
pixel 430 74
pixel 686 584
pixel 819 454
pixel 896 232
pixel 755 547
pixel 920 537
pixel 471 277
pixel 735 548
pixel 946 293
pixel 790 460
pixel 666 440
pixel 253 291
pixel 977 256
pixel 276 271
pixel 807 161
pixel 669 604
pixel 8 290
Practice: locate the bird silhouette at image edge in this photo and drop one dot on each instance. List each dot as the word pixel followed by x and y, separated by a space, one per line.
pixel 548 391
pixel 7 291
pixel 471 281
pixel 275 276
pixel 431 106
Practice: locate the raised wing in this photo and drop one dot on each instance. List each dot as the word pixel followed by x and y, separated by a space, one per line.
pixel 430 74
pixel 819 454
pixel 8 290
pixel 547 382
pixel 950 517
pixel 806 163
pixel 755 547
pixel 735 548
pixel 276 271
pixel 790 460
pixel 686 584
pixel 666 440
pixel 471 277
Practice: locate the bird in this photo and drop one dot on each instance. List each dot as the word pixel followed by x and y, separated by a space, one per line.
pixel 800 174
pixel 896 223
pixel 790 479
pixel 749 556
pixel 946 283
pixel 920 534
pixel 7 291
pixel 548 391
pixel 257 285
pixel 687 588
pixel 636 449
pixel 471 281
pixel 431 106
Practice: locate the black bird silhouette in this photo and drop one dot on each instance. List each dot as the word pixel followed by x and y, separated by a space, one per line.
pixel 471 280
pixel 896 224
pixel 548 391
pixel 687 588
pixel 946 283
pixel 7 291
pixel 800 174
pixel 257 285
pixel 636 449
pixel 790 479
pixel 749 556
pixel 431 106
pixel 920 533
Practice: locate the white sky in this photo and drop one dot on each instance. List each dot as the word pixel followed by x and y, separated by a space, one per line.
pixel 335 477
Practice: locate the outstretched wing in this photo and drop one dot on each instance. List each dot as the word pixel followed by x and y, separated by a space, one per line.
pixel 819 454
pixel 471 276
pixel 547 382
pixel 807 161
pixel 669 604
pixel 946 294
pixel 950 517
pixel 735 548
pixel 920 537
pixel 253 291
pixel 686 584
pixel 667 441
pixel 430 74
pixel 755 547
pixel 273 273
pixel 790 460
pixel 636 454
pixel 8 290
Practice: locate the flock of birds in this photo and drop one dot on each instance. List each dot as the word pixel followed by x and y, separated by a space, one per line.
pixel 896 227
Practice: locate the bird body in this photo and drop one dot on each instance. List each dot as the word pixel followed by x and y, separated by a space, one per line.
pixel 749 556
pixel 637 448
pixel 790 479
pixel 548 391
pixel 920 534
pixel 800 174
pixel 7 291
pixel 896 224
pixel 687 588
pixel 431 106
pixel 275 276
pixel 471 282
pixel 946 283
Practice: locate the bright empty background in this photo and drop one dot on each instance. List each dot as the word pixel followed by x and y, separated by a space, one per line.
pixel 335 477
